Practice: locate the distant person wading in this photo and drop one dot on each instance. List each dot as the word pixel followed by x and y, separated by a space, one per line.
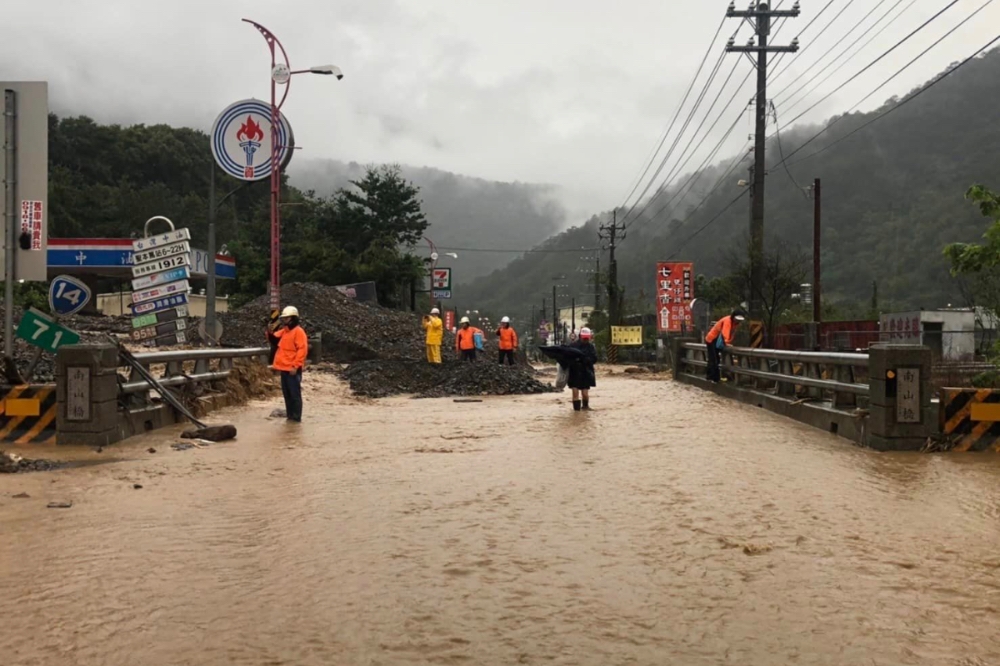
pixel 293 347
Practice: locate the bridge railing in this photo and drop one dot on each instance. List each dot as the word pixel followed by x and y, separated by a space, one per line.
pixel 187 366
pixel 840 377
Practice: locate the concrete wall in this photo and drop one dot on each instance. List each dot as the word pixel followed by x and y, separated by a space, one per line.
pixel 956 339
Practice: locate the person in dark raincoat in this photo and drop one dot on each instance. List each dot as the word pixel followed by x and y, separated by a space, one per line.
pixel 582 377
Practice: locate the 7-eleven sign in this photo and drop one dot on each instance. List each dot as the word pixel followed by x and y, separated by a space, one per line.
pixel 441 279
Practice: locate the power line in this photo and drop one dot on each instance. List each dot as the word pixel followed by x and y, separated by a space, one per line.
pixel 876 61
pixel 677 114
pixel 708 224
pixel 820 82
pixel 830 50
pixel 901 103
pixel 802 32
pixel 825 28
pixel 886 82
pixel 506 251
pixel 781 152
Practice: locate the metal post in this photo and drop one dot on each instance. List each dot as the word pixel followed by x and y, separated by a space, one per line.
pixel 210 287
pixel 10 216
pixel 817 208
pixel 573 302
pixel 555 315
pixel 275 193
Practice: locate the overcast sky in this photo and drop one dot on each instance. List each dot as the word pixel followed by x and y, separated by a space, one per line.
pixel 571 92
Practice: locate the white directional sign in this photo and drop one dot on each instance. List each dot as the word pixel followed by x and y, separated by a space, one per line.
pixel 161 268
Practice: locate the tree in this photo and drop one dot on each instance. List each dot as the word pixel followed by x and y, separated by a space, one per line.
pixel 977 265
pixel 783 271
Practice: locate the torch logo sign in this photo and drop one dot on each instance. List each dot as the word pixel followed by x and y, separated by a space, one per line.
pixel 250 135
pixel 241 140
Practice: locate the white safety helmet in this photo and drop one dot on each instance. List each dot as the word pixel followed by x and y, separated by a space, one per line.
pixel 586 334
pixel 435 311
pixel 505 320
pixel 290 311
pixel 465 320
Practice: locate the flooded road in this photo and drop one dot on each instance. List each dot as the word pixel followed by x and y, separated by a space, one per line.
pixel 666 527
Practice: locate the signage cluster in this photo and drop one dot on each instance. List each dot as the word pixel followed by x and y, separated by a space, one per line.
pixel 161 269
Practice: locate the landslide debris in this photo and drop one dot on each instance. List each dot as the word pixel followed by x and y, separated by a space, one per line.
pixel 386 377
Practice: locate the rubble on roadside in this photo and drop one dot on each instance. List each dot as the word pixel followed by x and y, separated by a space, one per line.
pixel 383 378
pixel 11 463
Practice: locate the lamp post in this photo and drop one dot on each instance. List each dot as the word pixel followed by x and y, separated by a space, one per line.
pixel 213 207
pixel 281 75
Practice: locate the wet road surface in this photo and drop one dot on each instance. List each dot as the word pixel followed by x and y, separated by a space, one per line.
pixel 666 527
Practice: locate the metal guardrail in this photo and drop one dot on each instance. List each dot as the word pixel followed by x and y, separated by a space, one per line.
pixel 817 375
pixel 174 374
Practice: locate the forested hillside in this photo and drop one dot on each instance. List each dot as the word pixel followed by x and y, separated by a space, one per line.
pixel 461 211
pixel 892 198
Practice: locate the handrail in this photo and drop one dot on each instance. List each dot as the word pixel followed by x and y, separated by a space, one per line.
pixel 835 358
pixel 774 370
pixel 198 354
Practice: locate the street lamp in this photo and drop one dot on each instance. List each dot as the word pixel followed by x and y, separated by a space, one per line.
pixel 281 75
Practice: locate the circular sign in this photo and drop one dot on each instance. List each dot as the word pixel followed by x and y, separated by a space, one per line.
pixel 241 140
pixel 280 74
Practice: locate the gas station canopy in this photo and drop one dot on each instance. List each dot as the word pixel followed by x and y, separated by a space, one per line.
pixel 112 257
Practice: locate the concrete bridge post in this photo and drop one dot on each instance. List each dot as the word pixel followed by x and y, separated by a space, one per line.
pixel 899 381
pixel 87 395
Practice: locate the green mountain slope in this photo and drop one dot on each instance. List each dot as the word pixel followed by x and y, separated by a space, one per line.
pixel 892 198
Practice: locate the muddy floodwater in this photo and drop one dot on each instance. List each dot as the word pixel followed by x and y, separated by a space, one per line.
pixel 667 526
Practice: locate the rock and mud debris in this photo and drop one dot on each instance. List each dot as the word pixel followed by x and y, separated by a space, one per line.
pixel 11 463
pixel 379 379
pixel 352 331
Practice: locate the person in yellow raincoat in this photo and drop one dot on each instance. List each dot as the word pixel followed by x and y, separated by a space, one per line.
pixel 435 335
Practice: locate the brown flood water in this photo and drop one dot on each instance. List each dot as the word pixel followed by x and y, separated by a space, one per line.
pixel 665 527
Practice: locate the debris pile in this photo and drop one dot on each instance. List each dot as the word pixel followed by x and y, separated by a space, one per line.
pixel 93 328
pixel 352 331
pixel 382 378
pixel 11 463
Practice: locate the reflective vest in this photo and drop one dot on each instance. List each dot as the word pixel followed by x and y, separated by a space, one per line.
pixel 508 338
pixel 465 339
pixel 293 347
pixel 723 326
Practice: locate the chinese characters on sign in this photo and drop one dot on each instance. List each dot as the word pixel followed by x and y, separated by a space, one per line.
pixel 78 394
pixel 908 395
pixel 674 293
pixel 901 328
pixel 31 222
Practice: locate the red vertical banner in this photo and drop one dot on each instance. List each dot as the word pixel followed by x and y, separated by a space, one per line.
pixel 449 320
pixel 674 293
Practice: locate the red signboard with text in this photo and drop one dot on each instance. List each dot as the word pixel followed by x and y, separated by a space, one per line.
pixel 674 293
pixel 449 320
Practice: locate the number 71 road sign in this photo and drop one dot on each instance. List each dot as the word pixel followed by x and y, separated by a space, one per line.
pixel 37 329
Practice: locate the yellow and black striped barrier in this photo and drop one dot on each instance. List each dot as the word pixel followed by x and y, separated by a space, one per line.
pixel 756 334
pixel 972 417
pixel 28 414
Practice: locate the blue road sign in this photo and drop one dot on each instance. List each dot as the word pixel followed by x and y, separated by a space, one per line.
pixel 68 295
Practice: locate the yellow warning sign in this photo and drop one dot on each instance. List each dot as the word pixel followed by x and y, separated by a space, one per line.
pixel 626 336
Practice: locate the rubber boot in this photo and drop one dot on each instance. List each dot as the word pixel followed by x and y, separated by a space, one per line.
pixel 576 405
pixel 586 405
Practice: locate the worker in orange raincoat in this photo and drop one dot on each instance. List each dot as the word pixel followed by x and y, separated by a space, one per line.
pixel 293 347
pixel 508 341
pixel 465 340
pixel 718 339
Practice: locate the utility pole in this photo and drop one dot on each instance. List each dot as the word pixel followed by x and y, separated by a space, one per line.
pixel 817 208
pixel 597 283
pixel 612 233
pixel 10 212
pixel 541 317
pixel 573 306
pixel 555 315
pixel 759 16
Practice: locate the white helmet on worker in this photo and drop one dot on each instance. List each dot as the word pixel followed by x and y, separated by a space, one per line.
pixel 505 320
pixel 290 311
pixel 465 320
pixel 586 334
pixel 435 311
